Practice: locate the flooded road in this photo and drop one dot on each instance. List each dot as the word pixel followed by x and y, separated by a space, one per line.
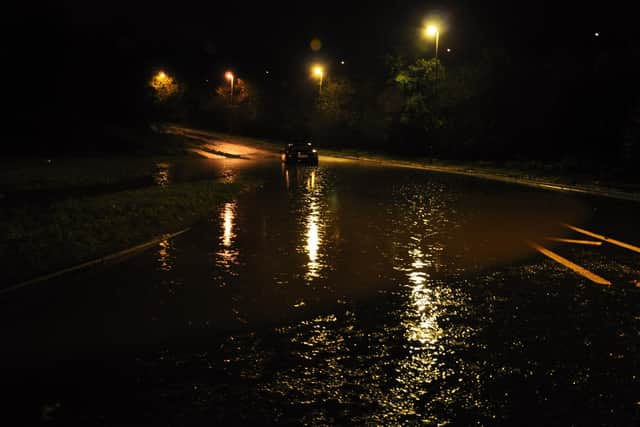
pixel 347 293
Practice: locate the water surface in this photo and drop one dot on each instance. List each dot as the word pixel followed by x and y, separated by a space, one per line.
pixel 344 294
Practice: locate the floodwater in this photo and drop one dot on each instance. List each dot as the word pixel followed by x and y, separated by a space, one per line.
pixel 347 293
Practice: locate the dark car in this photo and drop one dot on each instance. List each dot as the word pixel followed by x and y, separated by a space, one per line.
pixel 300 153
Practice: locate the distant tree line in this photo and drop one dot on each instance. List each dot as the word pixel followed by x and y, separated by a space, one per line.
pixel 578 108
pixel 583 113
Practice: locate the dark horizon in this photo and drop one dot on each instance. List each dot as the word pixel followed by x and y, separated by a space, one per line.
pixel 90 63
pixel 199 39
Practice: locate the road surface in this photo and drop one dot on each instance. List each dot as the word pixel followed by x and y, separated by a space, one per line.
pixel 348 293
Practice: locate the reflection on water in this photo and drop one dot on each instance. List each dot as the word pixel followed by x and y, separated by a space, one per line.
pixel 319 345
pixel 313 224
pixel 311 180
pixel 432 345
pixel 405 332
pixel 417 275
pixel 227 256
pixel 313 240
pixel 228 172
pixel 406 365
pixel 227 224
pixel 313 214
pixel 161 175
pixel 165 258
pixel 287 180
pixel 309 205
pixel 421 323
pixel 421 220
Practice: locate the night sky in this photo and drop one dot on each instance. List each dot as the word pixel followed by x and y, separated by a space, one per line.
pixel 198 37
pixel 60 49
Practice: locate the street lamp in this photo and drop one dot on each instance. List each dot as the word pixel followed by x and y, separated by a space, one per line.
pixel 318 71
pixel 433 31
pixel 229 76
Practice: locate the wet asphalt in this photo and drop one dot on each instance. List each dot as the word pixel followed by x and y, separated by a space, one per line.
pixel 347 293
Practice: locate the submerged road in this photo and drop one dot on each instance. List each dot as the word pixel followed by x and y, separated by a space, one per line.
pixel 348 293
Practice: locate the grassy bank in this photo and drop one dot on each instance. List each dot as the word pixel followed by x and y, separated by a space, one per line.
pixel 64 174
pixel 36 240
pixel 57 212
pixel 126 157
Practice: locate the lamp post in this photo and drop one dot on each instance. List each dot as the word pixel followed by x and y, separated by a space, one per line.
pixel 432 31
pixel 318 71
pixel 229 76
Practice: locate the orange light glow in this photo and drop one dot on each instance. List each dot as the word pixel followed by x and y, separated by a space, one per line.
pixel 228 75
pixel 315 44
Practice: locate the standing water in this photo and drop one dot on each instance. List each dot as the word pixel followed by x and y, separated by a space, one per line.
pixel 344 294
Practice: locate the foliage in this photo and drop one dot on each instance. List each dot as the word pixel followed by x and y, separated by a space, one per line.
pixel 164 88
pixel 237 109
pixel 167 98
pixel 243 98
pixel 334 118
pixel 419 83
pixel 334 102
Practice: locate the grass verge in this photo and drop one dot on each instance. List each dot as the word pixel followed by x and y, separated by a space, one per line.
pixel 36 240
pixel 65 174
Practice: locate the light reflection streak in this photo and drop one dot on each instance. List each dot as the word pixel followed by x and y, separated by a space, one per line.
pixel 422 366
pixel 227 173
pixel 161 176
pixel 431 360
pixel 313 239
pixel 227 224
pixel 227 255
pixel 306 187
pixel 311 181
pixel 165 258
pixel 421 323
pixel 313 227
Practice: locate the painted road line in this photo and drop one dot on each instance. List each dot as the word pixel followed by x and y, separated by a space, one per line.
pixel 575 267
pixel 604 238
pixel 574 241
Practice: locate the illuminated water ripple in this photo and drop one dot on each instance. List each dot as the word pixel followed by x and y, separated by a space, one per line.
pixel 227 255
pixel 360 299
pixel 166 259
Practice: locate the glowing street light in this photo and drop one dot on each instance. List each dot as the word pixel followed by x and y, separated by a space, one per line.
pixel 161 75
pixel 318 71
pixel 432 30
pixel 229 76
